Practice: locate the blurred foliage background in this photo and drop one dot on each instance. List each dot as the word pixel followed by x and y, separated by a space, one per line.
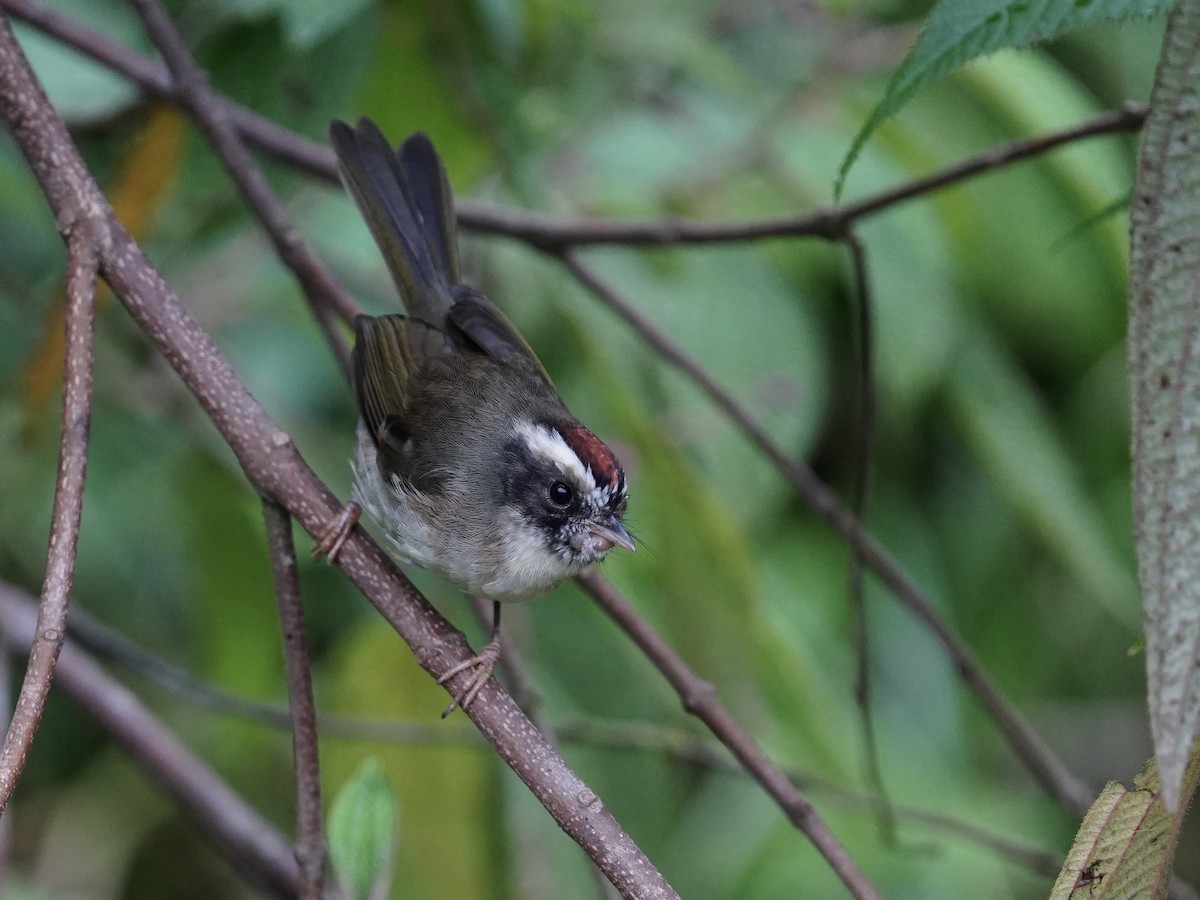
pixel 1000 475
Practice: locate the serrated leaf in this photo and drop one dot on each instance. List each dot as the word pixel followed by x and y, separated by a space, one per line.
pixel 1125 845
pixel 1164 376
pixel 362 834
pixel 959 31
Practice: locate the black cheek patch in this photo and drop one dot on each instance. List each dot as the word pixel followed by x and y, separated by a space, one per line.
pixel 526 487
pixel 513 472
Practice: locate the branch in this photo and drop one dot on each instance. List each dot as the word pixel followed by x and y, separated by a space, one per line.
pixel 700 699
pixel 703 752
pixel 1037 756
pixel 82 265
pixel 864 318
pixel 277 471
pixel 219 814
pixel 554 234
pixel 310 840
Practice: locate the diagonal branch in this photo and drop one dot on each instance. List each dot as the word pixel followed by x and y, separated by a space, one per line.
pixel 310 840
pixel 277 471
pixel 82 266
pixel 1037 756
pixel 700 699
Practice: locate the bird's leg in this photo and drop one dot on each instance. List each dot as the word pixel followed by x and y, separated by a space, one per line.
pixel 330 542
pixel 480 666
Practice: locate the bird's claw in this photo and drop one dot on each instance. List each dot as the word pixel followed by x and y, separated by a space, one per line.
pixel 333 538
pixel 481 667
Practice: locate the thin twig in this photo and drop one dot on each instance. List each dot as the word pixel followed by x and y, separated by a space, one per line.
pixel 1037 756
pixel 705 752
pixel 217 812
pixel 559 233
pixel 327 299
pixel 700 699
pixel 277 471
pixel 864 317
pixel 82 266
pixel 110 645
pixel 310 839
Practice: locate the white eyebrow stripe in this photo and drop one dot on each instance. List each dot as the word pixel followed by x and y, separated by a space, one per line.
pixel 549 444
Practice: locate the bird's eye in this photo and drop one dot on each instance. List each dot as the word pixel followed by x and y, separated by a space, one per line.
pixel 561 494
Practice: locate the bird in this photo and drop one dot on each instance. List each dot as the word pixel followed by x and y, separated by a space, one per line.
pixel 466 457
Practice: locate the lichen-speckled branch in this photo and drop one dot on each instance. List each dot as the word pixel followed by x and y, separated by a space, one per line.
pixel 83 260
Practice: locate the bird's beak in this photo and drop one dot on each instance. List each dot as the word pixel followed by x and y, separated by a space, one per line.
pixel 611 533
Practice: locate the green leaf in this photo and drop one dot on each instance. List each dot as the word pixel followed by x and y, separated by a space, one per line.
pixel 959 31
pixel 1164 383
pixel 362 833
pixel 1125 844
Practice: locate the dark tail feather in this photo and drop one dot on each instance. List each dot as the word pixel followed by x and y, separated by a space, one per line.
pixel 430 195
pixel 405 198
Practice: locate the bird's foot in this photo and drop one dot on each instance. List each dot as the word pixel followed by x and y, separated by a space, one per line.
pixel 331 540
pixel 480 667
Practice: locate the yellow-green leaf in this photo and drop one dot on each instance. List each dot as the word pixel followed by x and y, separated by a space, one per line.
pixel 1125 845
